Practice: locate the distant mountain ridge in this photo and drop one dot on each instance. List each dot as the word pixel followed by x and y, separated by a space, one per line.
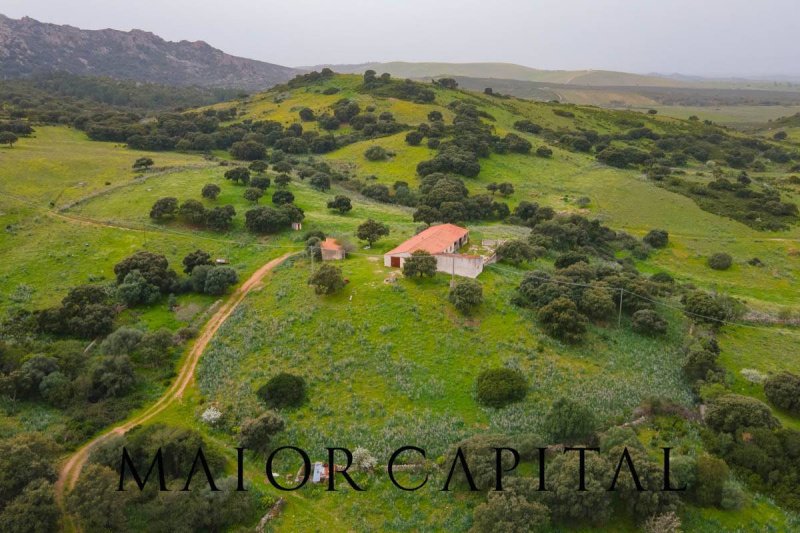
pixel 507 71
pixel 29 47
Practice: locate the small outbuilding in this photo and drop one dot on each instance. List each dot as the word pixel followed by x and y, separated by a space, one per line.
pixel 332 250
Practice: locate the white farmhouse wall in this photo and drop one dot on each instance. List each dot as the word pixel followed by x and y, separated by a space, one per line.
pixel 460 265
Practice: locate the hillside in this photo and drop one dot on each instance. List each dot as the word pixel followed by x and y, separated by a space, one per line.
pixel 389 359
pixel 403 69
pixel 29 47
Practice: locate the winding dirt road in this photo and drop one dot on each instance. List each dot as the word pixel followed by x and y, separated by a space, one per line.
pixel 71 469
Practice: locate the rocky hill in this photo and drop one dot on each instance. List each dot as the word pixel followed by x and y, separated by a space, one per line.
pixel 29 47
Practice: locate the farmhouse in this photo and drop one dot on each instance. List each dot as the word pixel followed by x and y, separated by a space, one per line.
pixel 332 250
pixel 441 241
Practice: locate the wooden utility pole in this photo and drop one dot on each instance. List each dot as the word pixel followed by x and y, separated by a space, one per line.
pixel 619 317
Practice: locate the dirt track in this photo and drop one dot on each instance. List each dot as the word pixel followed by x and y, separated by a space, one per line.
pixel 71 469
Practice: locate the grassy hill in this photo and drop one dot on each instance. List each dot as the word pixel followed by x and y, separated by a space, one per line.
pixel 508 71
pixel 388 364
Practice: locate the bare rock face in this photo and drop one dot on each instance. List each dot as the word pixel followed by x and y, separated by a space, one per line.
pixel 29 47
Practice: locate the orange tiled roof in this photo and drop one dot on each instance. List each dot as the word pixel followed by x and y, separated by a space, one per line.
pixel 434 240
pixel 330 244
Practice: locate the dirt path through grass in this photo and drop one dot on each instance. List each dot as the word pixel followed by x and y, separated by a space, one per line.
pixel 71 469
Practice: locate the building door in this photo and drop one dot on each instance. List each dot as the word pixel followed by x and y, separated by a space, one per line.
pixel 396 262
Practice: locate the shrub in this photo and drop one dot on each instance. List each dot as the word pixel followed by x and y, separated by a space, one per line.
pixel 509 511
pixel 544 151
pixel 498 387
pixel 164 208
pixel 256 433
pixel 783 390
pixel 320 181
pixel 466 295
pixel 515 252
pixel 667 522
pixel 340 203
pixel 327 280
pixel 135 290
pixel 414 138
pixel 731 412
pixel 248 150
pixel 712 473
pixel 306 114
pixel 376 153
pixel 569 422
pixel 282 197
pixel 720 261
pixel 570 505
pixel 648 322
pixel 238 174
pixel 657 238
pixel 253 194
pixel 211 191
pixel 283 390
pixel 261 182
pixel 420 264
pixel 371 231
pixel 265 220
pixel 219 279
pixel 561 319
pixel 570 258
pixel 663 278
pixel 702 307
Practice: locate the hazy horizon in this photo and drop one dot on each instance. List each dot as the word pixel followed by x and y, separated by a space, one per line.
pixel 717 39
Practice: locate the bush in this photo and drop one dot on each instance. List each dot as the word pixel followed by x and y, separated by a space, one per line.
pixel 248 150
pixel 420 264
pixel 561 319
pixel 261 182
pixel 570 258
pixel 702 307
pixel 283 390
pixel 253 194
pixel 340 203
pixel 720 261
pixel 164 208
pixel 712 473
pixel 320 181
pixel 783 390
pixel 327 280
pixel 511 512
pixel 544 151
pixel 265 220
pixel 569 422
pixel 648 322
pixel 306 114
pixel 466 295
pixel 238 174
pixel 515 252
pixel 414 138
pixel 657 238
pixel 256 433
pixel 663 278
pixel 376 153
pixel 211 191
pixel 731 413
pixel 498 387
pixel 282 197
pixel 135 290
pixel 570 505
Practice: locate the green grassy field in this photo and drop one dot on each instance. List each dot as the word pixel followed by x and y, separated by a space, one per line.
pixel 738 116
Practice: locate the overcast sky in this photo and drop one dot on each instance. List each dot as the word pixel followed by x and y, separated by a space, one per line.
pixel 710 37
